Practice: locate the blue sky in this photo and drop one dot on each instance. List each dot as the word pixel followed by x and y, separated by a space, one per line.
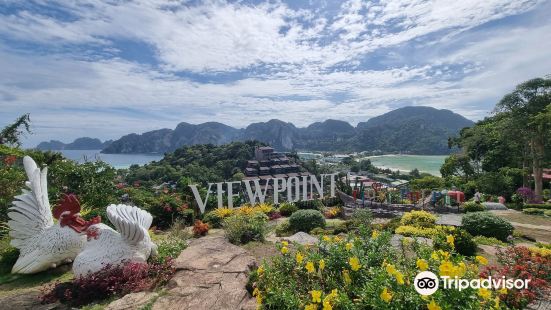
pixel 107 68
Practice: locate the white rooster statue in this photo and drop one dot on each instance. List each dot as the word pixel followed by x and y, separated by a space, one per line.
pixel 42 243
pixel 107 247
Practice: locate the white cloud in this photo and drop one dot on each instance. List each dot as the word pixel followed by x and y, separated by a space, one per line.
pixel 285 56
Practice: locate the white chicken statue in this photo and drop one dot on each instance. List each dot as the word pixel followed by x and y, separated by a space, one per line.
pixel 107 247
pixel 42 243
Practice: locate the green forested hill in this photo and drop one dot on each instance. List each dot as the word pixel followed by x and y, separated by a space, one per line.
pixel 415 130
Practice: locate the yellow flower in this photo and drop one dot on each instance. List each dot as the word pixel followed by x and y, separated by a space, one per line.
pixel 399 278
pixel 260 270
pixel 310 267
pixel 481 260
pixel 450 240
pixel 256 293
pixel 326 238
pixel 354 263
pixel 390 269
pixel 496 302
pixel 346 277
pixel 484 293
pixel 322 264
pixel 422 264
pixel 316 296
pixel 334 294
pixel 284 250
pixel 433 306
pixel 311 307
pixel 374 234
pixel 299 258
pixel 446 269
pixel 386 295
pixel 337 239
pixel 503 291
pixel 285 243
pixel 444 254
pixel 349 246
pixel 434 255
pixel 327 306
pixel 460 269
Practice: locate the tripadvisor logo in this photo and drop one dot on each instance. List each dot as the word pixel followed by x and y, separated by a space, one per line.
pixel 427 283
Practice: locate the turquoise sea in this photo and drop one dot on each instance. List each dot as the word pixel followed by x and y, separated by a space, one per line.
pixel 405 163
pixel 118 161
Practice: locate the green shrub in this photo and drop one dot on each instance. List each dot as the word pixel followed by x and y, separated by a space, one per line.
pixel 547 212
pixel 533 211
pixel 463 242
pixel 488 241
pixel 213 219
pixel 241 228
pixel 309 204
pixel 286 209
pixel 361 217
pixel 471 206
pixel 8 256
pixel 487 224
pixel 169 248
pixel 306 220
pixel 283 229
pixel 318 231
pixel 418 219
pixel 536 206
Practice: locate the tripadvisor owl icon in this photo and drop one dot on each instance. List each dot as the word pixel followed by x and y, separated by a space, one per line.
pixel 426 283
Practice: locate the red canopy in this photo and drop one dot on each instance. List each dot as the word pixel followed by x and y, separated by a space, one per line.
pixel 457 195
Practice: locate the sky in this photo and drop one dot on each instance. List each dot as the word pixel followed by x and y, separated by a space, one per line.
pixel 104 69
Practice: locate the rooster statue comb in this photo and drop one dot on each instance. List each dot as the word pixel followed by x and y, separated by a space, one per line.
pixel 42 243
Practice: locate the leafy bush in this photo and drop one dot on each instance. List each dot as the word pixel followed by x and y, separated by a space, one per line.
pixel 418 219
pixel 361 217
pixel 241 228
pixel 458 239
pixel 286 209
pixel 520 263
pixel 488 241
pixel 413 231
pixel 487 224
pixel 215 217
pixel 309 204
pixel 361 272
pixel 283 229
pixel 533 211
pixel 547 212
pixel 8 256
pixel 169 248
pixel 200 228
pixel 333 212
pixel 537 206
pixel 306 220
pixel 471 206
pixel 109 281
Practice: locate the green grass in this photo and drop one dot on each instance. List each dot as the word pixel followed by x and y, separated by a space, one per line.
pixel 488 241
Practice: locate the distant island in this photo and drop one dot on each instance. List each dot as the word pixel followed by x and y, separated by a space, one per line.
pixel 411 130
pixel 84 143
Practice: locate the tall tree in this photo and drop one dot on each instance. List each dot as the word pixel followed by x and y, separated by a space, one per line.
pixel 526 107
pixel 11 134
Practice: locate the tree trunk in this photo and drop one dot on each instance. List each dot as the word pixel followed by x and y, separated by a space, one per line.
pixel 538 153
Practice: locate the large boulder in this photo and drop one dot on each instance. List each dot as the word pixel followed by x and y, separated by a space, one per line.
pixel 211 274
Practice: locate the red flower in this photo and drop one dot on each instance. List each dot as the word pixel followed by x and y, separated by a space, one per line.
pixel 10 160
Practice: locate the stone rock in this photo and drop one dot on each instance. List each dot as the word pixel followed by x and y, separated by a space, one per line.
pixel 302 238
pixel 494 206
pixel 396 240
pixel 132 301
pixel 211 274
